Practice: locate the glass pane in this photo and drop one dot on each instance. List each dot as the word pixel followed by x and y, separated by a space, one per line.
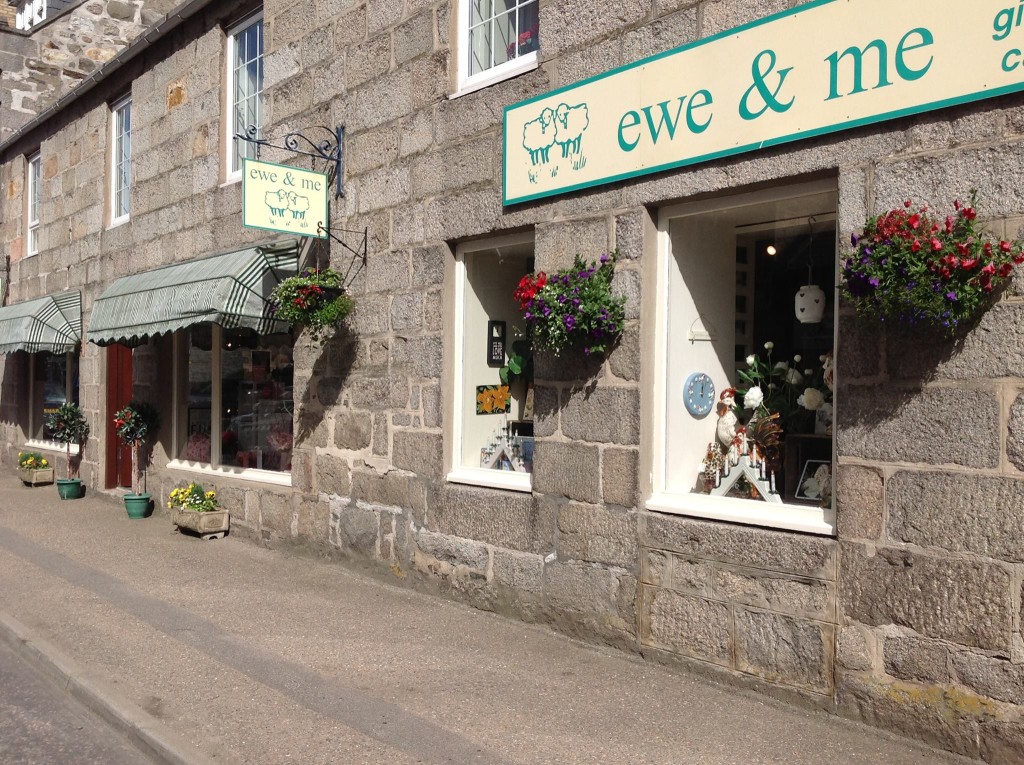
pixel 247 71
pixel 528 29
pixel 51 388
pixel 480 10
pixel 497 430
pixel 256 400
pixel 198 408
pixel 504 38
pixel 480 48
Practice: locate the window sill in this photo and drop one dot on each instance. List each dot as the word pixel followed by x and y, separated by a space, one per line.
pixel 231 180
pixel 492 77
pixel 118 222
pixel 246 474
pixel 493 479
pixel 809 520
pixel 51 446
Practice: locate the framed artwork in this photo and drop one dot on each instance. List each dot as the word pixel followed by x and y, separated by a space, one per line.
pixel 815 481
pixel 493 399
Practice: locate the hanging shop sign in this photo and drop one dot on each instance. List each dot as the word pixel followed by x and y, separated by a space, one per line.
pixel 284 198
pixel 825 66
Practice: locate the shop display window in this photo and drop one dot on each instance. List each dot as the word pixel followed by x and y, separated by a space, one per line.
pixel 746 359
pixel 238 399
pixel 493 408
pixel 53 381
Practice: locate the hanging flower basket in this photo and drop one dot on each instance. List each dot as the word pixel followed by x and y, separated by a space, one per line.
pixel 315 300
pixel 912 267
pixel 573 307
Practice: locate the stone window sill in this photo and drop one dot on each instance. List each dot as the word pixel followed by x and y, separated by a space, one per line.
pixel 809 520
pixel 494 479
pixel 50 446
pixel 498 74
pixel 246 474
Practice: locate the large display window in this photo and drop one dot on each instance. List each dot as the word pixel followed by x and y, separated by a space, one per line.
pixel 235 400
pixel 745 337
pixel 53 380
pixel 493 379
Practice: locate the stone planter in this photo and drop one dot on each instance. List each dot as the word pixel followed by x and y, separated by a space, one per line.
pixel 36 477
pixel 209 525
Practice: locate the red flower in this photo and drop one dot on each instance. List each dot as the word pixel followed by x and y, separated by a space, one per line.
pixel 914 221
pixel 969 213
pixel 945 273
pixel 1019 257
pixel 1004 246
pixel 1005 269
pixel 936 244
pixel 989 269
pixel 968 263
pixel 916 246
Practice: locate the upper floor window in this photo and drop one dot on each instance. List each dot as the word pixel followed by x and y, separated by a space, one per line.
pixel 497 39
pixel 121 160
pixel 30 13
pixel 245 87
pixel 34 197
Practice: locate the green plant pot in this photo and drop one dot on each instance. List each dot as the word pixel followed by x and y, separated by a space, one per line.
pixel 138 505
pixel 70 488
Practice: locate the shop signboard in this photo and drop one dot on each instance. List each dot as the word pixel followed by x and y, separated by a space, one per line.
pixel 825 66
pixel 284 198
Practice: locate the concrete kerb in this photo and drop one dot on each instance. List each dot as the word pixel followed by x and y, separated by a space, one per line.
pixel 144 731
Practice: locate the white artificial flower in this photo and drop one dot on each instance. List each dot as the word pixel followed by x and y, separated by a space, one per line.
pixel 751 360
pixel 753 398
pixel 793 377
pixel 812 399
pixel 781 367
pixel 797 359
pixel 808 372
pixel 769 345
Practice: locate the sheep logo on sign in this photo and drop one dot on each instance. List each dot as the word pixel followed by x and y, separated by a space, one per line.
pixel 563 127
pixel 281 202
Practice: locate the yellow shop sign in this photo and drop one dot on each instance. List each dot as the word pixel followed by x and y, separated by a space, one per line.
pixel 284 198
pixel 822 67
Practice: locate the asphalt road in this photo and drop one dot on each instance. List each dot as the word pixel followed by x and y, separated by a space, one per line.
pixel 42 725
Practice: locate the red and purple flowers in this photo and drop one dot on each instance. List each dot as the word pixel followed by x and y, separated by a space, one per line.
pixel 913 268
pixel 574 306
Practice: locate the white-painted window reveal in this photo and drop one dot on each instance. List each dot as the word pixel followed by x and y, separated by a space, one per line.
pixel 746 332
pixel 492 442
pixel 245 87
pixel 121 161
pixel 30 13
pixel 497 39
pixel 34 197
pixel 234 400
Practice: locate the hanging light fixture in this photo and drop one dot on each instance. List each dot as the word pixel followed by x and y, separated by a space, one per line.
pixel 809 304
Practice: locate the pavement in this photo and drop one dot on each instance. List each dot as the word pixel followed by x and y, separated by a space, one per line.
pixel 226 652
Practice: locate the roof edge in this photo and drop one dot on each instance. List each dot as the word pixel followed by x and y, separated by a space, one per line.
pixel 171 21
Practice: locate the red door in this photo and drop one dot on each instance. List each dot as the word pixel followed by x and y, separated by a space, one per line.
pixel 119 393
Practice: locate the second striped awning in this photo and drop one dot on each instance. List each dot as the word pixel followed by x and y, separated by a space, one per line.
pixel 50 323
pixel 229 289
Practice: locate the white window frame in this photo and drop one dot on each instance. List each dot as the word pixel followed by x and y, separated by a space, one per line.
pixel 213 468
pixel 810 520
pixel 33 202
pixel 474 476
pixel 234 173
pixel 69 381
pixel 30 13
pixel 468 83
pixel 118 137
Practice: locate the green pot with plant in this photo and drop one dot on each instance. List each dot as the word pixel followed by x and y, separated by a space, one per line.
pixel 68 425
pixel 314 299
pixel 136 424
pixel 197 510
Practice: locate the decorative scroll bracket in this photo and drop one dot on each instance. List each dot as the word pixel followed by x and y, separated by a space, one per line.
pixel 329 149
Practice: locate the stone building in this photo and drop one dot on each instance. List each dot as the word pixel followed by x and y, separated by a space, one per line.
pixel 897 601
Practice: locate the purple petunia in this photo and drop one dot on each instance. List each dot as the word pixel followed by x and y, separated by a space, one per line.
pixel 854 239
pixel 951 296
pixel 569 322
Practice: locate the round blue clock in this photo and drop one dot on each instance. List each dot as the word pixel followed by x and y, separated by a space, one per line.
pixel 699 394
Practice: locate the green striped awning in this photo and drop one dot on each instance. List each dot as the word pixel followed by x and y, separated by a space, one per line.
pixel 50 323
pixel 229 289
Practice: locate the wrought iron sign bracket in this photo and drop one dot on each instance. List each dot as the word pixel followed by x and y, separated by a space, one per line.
pixel 359 253
pixel 329 149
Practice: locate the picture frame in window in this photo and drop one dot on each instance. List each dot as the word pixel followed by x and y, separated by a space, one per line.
pixel 805 488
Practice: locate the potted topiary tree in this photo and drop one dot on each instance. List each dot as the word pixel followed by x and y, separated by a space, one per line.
pixel 69 426
pixel 134 424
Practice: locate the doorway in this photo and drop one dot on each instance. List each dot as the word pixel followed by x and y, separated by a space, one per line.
pixel 119 394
